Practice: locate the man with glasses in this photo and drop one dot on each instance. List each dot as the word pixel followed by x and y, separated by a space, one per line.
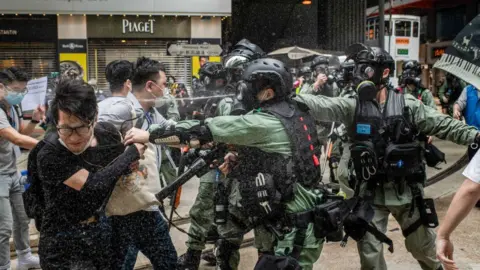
pixel 145 230
pixel 13 135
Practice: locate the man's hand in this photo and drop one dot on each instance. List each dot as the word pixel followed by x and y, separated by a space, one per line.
pixel 39 113
pixel 141 149
pixel 230 161
pixel 445 253
pixel 321 80
pixel 445 99
pixel 136 135
pixel 456 114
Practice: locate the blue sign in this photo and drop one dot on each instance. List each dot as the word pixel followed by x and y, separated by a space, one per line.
pixel 364 129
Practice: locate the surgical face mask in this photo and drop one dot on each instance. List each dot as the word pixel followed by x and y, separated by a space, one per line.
pixel 81 151
pixel 13 97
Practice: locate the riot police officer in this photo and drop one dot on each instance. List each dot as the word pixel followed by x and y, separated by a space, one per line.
pixel 305 79
pixel 411 82
pixel 202 212
pixel 450 89
pixel 393 184
pixel 276 178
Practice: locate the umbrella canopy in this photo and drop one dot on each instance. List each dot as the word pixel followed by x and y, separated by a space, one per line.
pixel 462 59
pixel 294 52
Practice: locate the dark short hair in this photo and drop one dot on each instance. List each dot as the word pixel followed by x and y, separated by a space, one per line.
pixel 13 74
pixel 117 73
pixel 145 70
pixel 77 98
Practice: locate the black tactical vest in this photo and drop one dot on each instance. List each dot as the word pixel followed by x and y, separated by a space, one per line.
pixel 266 179
pixel 385 143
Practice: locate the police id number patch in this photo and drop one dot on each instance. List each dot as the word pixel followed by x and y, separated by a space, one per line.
pixel 364 129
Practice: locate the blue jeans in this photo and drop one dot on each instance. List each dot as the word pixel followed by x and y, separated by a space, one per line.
pixel 146 232
pixel 12 217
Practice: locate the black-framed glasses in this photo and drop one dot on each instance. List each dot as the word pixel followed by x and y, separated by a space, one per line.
pixel 68 131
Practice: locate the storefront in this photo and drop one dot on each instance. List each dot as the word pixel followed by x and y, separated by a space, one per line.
pixel 129 37
pixel 29 42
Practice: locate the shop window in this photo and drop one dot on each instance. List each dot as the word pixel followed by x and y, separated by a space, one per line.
pixel 450 22
pixel 415 29
pixel 403 28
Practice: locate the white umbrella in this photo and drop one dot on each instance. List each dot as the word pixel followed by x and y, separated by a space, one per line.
pixel 295 52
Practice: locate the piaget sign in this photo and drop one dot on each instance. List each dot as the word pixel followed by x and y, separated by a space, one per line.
pixel 138 27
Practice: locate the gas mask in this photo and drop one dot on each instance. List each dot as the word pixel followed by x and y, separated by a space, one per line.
pixel 368 72
pixel 367 91
pixel 244 100
pixel 320 69
pixel 234 74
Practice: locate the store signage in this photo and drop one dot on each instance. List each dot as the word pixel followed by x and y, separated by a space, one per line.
pixel 8 32
pixel 129 26
pixel 72 45
pixel 138 27
pixel 402 51
pixel 28 28
pixel 195 49
pixel 438 52
pixel 402 41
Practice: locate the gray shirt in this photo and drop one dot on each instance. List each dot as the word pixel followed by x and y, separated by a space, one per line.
pixel 462 99
pixel 8 157
pixel 118 111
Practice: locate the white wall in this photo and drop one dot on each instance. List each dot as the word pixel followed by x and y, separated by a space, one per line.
pixel 72 27
pixel 154 7
pixel 206 28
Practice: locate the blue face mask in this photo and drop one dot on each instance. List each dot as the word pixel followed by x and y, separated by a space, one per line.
pixel 14 98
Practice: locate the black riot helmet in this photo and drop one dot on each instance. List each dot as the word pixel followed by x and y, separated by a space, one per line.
pixel 242 53
pixel 411 71
pixel 212 76
pixel 414 68
pixel 370 64
pixel 320 65
pixel 305 72
pixel 345 75
pixel 266 73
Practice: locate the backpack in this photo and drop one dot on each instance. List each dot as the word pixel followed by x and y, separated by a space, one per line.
pixel 33 197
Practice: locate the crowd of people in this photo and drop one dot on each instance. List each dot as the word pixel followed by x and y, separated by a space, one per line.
pixel 94 177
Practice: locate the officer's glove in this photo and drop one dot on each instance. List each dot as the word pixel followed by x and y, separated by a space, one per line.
pixel 194 135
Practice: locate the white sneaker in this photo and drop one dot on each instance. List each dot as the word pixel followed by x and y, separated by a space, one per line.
pixel 28 261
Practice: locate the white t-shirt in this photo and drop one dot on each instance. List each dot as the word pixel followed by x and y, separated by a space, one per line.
pixel 472 171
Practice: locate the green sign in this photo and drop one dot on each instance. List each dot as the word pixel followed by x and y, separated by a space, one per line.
pixel 402 51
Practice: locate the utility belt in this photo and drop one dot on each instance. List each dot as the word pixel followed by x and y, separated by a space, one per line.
pixel 398 160
pixel 426 207
pixel 335 216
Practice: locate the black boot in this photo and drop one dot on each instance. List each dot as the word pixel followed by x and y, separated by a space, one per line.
pixel 190 260
pixel 209 257
pixel 223 251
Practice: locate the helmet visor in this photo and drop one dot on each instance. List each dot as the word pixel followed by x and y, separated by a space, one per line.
pixel 235 61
